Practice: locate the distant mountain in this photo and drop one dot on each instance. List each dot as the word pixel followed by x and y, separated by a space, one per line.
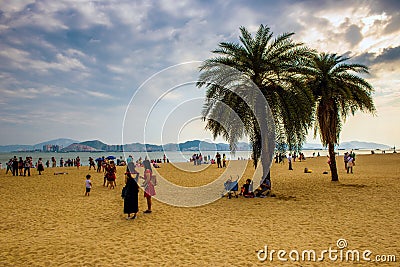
pixel 60 142
pixel 64 142
pixel 349 145
pixel 137 147
pixel 193 145
pixel 78 148
pixel 362 145
pixel 95 144
pixel 312 146
pixel 12 148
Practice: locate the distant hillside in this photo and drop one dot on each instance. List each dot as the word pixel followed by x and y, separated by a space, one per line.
pixel 137 147
pixel 60 142
pixel 362 145
pixel 12 148
pixel 64 142
pixel 95 144
pixel 350 145
pixel 78 148
pixel 193 145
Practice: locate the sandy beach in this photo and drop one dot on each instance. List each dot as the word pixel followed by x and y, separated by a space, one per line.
pixel 47 221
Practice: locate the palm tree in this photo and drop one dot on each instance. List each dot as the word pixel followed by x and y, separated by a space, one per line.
pixel 274 67
pixel 338 91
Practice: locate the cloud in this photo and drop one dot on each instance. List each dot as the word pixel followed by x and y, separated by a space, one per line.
pixel 353 35
pixel 387 55
pixel 73 58
pixel 99 94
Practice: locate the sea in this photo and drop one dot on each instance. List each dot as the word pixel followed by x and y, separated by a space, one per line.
pixel 173 156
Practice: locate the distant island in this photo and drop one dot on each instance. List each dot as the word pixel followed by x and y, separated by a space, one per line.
pixel 70 145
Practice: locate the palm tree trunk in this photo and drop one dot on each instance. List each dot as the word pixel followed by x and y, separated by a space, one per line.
pixel 332 165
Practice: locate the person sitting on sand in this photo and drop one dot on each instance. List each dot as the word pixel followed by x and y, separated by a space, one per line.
pixel 247 190
pixel 155 165
pixel 264 189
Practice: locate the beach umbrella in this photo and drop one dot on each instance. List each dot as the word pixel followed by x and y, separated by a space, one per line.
pixel 98 159
pixel 111 157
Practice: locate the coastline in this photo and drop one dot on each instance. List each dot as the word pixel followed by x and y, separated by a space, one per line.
pixel 174 156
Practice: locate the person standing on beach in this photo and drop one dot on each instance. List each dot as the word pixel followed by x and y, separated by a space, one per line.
pixel 40 167
pixel 77 162
pixel 290 162
pixel 27 166
pixel 346 159
pixel 91 164
pixel 99 164
pixel 350 164
pixel 147 164
pixel 223 161
pixel 15 166
pixel 218 157
pixel 131 196
pixel 9 166
pixel 88 184
pixel 53 162
pixel 111 174
pixel 353 156
pixel 21 166
pixel 149 190
pixel 129 159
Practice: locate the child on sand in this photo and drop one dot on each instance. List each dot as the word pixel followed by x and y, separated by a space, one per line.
pixel 247 189
pixel 88 185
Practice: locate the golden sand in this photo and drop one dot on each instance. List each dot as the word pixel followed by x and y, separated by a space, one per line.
pixel 46 220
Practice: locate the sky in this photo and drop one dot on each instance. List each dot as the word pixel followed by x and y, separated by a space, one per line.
pixel 125 71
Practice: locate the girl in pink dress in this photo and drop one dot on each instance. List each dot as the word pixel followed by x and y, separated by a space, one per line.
pixel 149 190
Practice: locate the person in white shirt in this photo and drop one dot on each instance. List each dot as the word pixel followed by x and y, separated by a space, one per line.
pixel 88 184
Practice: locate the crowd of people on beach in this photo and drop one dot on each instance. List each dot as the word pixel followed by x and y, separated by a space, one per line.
pixel 107 166
pixel 22 167
pixel 221 161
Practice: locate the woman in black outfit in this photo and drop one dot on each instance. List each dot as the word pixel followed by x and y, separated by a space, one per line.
pixel 131 196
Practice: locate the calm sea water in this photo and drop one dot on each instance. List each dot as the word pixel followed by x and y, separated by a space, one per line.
pixel 173 156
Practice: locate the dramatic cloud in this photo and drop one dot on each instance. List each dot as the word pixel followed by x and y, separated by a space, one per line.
pixel 79 62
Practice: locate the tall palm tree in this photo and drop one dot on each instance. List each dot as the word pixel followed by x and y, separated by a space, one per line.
pixel 274 66
pixel 338 91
